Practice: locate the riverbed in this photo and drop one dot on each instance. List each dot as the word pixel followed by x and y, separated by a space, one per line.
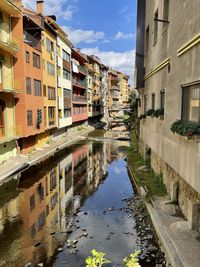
pixel 55 213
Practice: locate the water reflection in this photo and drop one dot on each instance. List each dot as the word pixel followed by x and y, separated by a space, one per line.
pixel 37 208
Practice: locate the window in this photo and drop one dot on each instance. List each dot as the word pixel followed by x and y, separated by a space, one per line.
pixel 147 39
pixel 66 56
pixel 27 57
pixel 153 101
pixel 51 93
pixel 51 115
pixel 37 88
pixel 0 72
pixel 44 90
pixel 50 69
pixel 49 45
pixel 66 74
pixel 28 85
pixel 162 99
pixel 45 116
pixel 2 122
pixel 29 117
pixel 32 202
pixel 191 103
pixel 36 61
pixel 145 104
pixel 156 26
pixel 67 98
pixel 67 113
pixel 165 13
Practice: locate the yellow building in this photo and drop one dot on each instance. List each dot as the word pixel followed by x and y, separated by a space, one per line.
pixel 124 90
pixel 49 74
pixel 10 13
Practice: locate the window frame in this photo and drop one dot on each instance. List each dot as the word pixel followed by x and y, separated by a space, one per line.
pixel 40 89
pixel 36 61
pixel 27 57
pixel 29 114
pixel 28 90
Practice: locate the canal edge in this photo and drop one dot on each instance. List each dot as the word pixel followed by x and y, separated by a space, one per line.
pixel 167 244
pixel 26 164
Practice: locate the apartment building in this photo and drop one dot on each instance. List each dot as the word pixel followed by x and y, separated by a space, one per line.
pixel 79 83
pixel 104 90
pixel 114 97
pixel 124 91
pixel 168 79
pixel 64 79
pixel 10 17
pixel 49 74
pixel 94 71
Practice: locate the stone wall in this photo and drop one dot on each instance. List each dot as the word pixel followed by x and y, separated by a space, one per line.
pixel 187 197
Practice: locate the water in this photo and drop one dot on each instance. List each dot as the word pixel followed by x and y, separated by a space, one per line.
pixel 37 208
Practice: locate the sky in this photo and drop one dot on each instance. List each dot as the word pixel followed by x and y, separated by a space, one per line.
pixel 105 28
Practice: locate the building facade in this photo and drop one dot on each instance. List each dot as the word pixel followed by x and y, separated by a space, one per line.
pixel 10 17
pixel 168 79
pixel 79 82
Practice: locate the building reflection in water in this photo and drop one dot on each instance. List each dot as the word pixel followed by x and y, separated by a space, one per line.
pixel 37 209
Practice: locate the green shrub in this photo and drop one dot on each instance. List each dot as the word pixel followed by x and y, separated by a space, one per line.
pixel 150 112
pixel 158 112
pixel 185 128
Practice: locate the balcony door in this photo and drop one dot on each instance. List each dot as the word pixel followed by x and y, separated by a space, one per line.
pixel 2 118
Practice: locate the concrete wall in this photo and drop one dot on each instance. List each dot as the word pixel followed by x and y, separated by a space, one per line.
pixel 181 155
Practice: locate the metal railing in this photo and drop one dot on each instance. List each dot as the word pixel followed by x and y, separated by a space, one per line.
pixel 79 98
pixel 32 41
pixel 81 83
pixel 82 69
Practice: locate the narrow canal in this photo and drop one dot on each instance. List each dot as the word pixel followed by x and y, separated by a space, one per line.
pixel 55 213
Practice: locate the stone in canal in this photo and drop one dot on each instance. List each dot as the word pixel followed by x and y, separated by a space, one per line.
pixel 60 249
pixel 29 264
pixel 41 264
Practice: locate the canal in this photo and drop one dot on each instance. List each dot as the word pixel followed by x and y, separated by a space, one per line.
pixel 55 213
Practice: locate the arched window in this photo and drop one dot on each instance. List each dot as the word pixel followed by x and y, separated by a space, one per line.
pixel 2 120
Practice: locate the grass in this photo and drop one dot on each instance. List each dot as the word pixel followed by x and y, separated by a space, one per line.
pixel 153 182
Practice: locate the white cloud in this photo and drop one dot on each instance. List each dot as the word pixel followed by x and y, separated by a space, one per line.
pixel 121 35
pixel 60 8
pixel 122 61
pixel 77 36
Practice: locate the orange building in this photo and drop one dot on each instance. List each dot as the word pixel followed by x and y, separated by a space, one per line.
pixel 29 76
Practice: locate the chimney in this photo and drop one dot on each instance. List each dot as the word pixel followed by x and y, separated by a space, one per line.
pixel 40 7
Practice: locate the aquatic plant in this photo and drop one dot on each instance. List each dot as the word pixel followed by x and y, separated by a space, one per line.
pixel 132 260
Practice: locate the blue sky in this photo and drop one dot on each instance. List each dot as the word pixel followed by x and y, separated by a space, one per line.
pixel 102 27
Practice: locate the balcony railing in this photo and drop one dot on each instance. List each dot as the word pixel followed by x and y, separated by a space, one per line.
pixel 77 98
pixel 32 41
pixel 82 69
pixel 113 87
pixel 80 83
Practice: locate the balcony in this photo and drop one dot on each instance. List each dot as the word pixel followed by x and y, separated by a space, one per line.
pixel 9 45
pixel 80 83
pixel 12 7
pixel 30 40
pixel 114 87
pixel 11 133
pixel 82 69
pixel 79 98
